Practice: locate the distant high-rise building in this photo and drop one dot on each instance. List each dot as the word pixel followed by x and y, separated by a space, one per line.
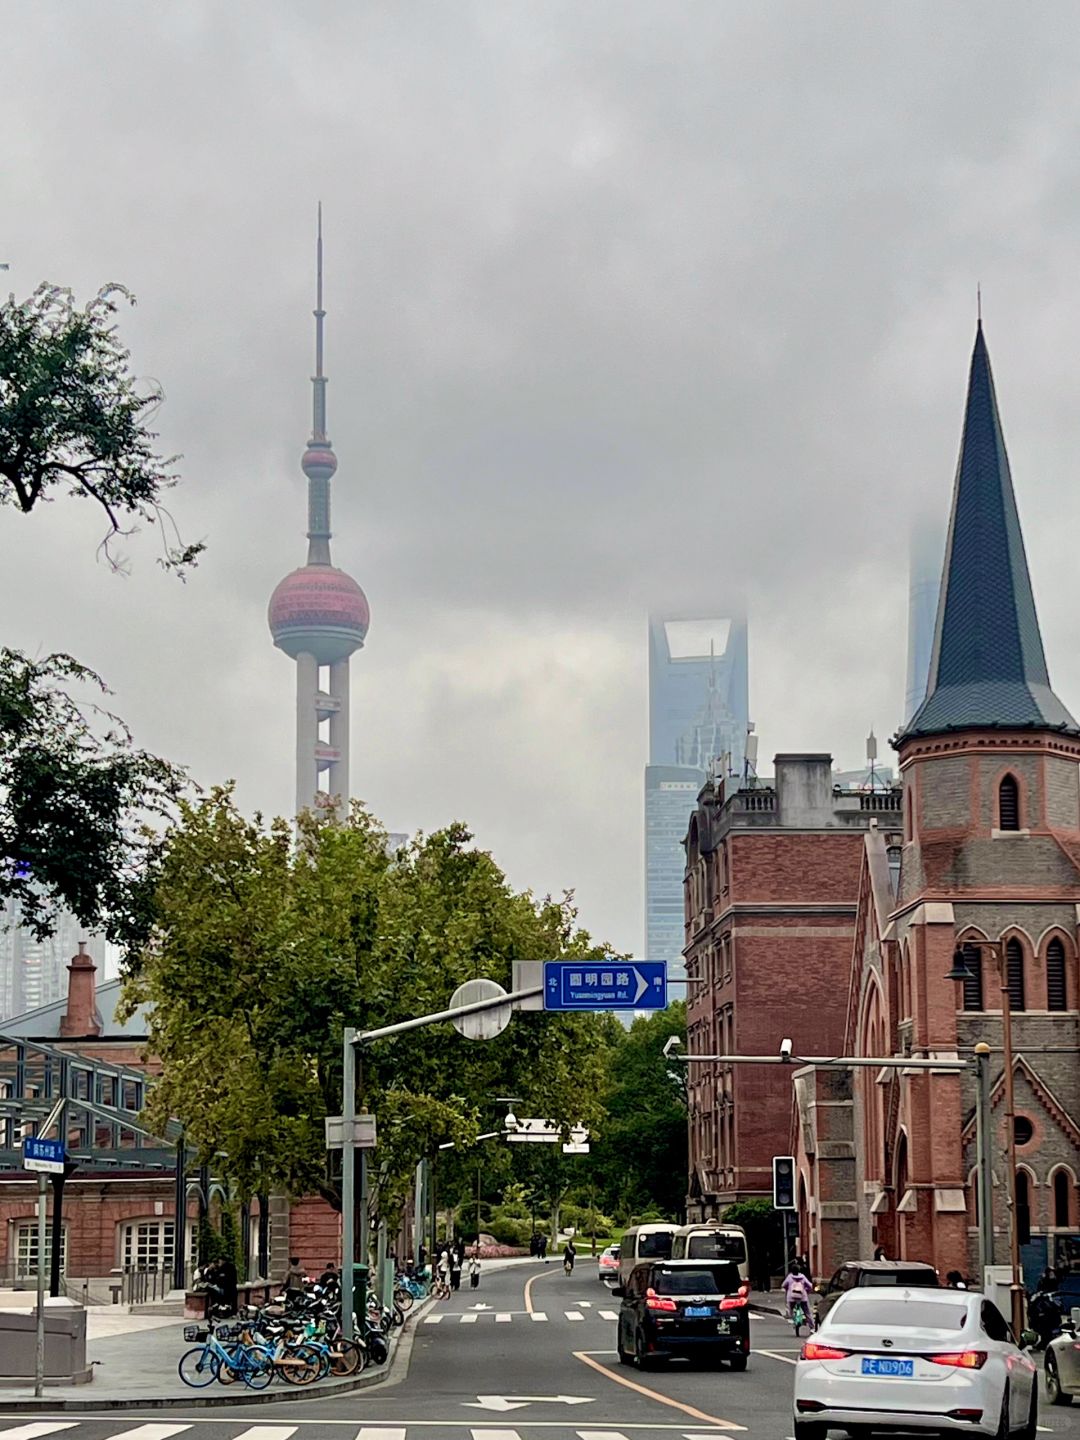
pixel 698 721
pixel 34 972
pixel 319 615
pixel 925 556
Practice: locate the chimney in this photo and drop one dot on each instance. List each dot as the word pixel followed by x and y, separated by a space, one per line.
pixel 82 1017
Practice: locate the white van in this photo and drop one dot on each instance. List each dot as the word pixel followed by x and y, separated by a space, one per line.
pixel 712 1242
pixel 645 1242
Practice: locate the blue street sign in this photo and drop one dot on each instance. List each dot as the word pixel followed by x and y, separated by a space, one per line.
pixel 47 1155
pixel 621 985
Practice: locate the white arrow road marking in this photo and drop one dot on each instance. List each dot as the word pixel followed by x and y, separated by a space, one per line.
pixel 642 985
pixel 515 1402
pixel 585 1304
pixel 609 1315
pixel 480 1307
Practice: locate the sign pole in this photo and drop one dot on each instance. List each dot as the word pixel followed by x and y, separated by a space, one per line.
pixel 348 1157
pixel 39 1347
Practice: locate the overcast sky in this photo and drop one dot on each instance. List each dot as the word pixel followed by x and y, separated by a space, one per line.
pixel 629 305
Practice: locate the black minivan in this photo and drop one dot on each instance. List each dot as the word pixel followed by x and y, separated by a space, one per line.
pixel 684 1307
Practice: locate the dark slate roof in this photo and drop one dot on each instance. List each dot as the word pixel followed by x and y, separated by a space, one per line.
pixel 988 667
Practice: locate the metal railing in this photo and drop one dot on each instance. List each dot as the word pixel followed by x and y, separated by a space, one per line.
pixel 143 1285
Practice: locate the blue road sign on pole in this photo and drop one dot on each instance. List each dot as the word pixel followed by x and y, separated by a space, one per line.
pixel 47 1155
pixel 625 985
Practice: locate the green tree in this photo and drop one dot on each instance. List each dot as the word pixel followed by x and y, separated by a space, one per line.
pixel 640 1159
pixel 264 949
pixel 75 794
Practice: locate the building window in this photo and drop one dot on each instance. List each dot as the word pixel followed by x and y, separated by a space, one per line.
pixel 1056 995
pixel 1014 970
pixel 1009 804
pixel 1022 1129
pixel 973 983
pixel 26 1249
pixel 1062 1207
pixel 1023 1207
pixel 147 1245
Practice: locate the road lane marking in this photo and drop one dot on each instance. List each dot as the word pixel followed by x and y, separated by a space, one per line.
pixel 495 1435
pixel 536 1315
pixel 470 1319
pixel 772 1354
pixel 653 1394
pixel 585 1304
pixel 193 1420
pixel 381 1432
pixel 504 1318
pixel 601 1435
pixel 269 1432
pixel 574 1315
pixel 432 1319
pixel 531 1282
pixel 162 1432
pixel 609 1315
pixel 36 1428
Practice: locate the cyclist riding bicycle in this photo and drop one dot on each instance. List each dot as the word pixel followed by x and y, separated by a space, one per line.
pixel 798 1289
pixel 569 1256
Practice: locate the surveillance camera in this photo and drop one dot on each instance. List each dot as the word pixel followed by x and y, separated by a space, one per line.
pixel 785 1050
pixel 673 1042
pixel 511 1121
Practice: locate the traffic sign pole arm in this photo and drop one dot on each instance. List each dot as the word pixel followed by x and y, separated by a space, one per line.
pixel 476 1007
pixel 840 1062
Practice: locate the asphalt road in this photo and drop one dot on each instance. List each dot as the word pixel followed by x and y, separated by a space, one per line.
pixel 529 1356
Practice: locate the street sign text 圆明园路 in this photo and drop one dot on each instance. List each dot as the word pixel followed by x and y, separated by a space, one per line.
pixel 47 1155
pixel 634 985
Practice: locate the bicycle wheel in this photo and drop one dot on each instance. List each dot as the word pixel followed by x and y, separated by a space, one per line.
pixel 197 1367
pixel 256 1367
pixel 346 1357
pixel 403 1298
pixel 298 1365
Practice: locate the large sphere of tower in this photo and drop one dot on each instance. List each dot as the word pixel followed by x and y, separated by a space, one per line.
pixel 320 611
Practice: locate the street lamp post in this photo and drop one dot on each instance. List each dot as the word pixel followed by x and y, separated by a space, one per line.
pixel 961 972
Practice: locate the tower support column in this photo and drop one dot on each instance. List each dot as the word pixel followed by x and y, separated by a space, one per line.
pixel 307 730
pixel 339 734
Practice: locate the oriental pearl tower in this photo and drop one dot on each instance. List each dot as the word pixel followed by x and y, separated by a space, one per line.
pixel 319 615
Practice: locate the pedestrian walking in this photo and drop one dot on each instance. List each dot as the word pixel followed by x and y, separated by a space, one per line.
pixel 543 1248
pixel 474 1269
pixel 294 1279
pixel 455 1268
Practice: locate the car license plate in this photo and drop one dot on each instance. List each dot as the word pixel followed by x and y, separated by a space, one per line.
pixel 880 1365
pixel 698 1310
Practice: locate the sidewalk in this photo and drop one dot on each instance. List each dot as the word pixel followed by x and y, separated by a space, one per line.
pixel 135 1369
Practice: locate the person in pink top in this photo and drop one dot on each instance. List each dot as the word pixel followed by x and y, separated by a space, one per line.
pixel 796 1286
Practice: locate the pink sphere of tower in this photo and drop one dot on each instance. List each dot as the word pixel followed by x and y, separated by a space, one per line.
pixel 320 611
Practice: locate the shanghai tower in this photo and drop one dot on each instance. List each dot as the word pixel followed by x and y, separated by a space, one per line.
pixel 319 615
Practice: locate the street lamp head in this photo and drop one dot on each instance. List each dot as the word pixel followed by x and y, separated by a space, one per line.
pixel 673 1042
pixel 960 970
pixel 982 1048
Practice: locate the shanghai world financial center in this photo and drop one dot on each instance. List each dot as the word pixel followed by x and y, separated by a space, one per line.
pixel 698 715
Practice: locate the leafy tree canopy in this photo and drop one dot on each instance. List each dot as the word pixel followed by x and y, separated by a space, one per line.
pixel 265 949
pixel 73 418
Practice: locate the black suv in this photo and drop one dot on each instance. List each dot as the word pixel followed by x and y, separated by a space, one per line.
pixel 684 1307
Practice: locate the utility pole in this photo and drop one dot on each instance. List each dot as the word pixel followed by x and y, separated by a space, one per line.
pixel 39 1345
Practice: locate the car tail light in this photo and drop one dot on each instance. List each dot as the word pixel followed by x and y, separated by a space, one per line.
pixel 814 1350
pixel 809 1405
pixel 658 1302
pixel 733 1302
pixel 974 1416
pixel 961 1359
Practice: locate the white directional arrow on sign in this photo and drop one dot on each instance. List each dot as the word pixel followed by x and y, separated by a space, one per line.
pixel 515 1402
pixel 642 984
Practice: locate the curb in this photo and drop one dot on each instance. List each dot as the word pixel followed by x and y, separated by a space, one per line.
pixel 221 1398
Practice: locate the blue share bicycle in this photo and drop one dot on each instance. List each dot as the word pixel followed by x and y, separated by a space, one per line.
pixel 210 1361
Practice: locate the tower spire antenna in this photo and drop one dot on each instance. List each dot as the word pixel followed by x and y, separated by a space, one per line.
pixel 978 302
pixel 318 419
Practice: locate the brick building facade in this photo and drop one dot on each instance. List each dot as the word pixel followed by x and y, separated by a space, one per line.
pixel 990 765
pixel 770 896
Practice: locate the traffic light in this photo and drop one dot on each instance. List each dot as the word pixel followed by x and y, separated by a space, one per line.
pixel 783 1182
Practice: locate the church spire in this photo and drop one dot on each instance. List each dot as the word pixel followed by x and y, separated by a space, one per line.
pixel 988 668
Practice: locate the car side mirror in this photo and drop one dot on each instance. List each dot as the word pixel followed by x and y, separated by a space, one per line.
pixel 618 1290
pixel 1028 1338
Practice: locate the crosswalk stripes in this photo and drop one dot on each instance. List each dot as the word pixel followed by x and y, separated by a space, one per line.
pixel 608 1314
pixel 162 1432
pixel 432 1319
pixel 538 1315
pixel 504 1317
pixel 470 1319
pixel 574 1315
pixel 270 1432
pixel 37 1428
pixel 381 1432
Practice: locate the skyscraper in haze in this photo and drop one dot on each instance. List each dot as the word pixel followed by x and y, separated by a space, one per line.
pixel 698 713
pixel 318 614
pixel 925 555
pixel 34 972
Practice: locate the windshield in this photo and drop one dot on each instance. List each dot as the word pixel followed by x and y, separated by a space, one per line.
pixel 701 1280
pixel 656 1246
pixel 923 1279
pixel 716 1246
pixel 856 1309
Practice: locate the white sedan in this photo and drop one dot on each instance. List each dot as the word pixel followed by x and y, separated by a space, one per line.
pixel 934 1360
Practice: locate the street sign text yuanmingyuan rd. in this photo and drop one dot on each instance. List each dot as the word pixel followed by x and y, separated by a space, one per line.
pixel 46 1155
pixel 631 985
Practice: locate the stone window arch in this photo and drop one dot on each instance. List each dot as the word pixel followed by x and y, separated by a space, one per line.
pixel 1008 803
pixel 1014 973
pixel 1057 989
pixel 1062 1185
pixel 971 994
pixel 1024 1206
